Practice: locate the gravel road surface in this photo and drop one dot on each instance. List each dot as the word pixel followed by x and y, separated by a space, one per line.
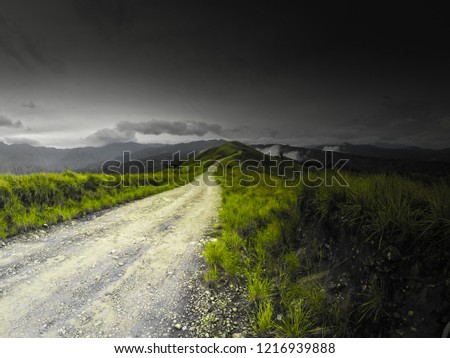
pixel 119 273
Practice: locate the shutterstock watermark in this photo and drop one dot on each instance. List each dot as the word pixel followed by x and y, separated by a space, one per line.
pixel 271 171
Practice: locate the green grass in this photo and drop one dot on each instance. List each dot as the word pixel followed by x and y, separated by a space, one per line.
pixel 381 207
pixel 264 324
pixel 373 305
pixel 395 223
pixel 286 273
pixel 298 321
pixel 260 289
pixel 259 225
pixel 30 201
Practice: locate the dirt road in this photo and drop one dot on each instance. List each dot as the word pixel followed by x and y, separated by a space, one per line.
pixel 120 273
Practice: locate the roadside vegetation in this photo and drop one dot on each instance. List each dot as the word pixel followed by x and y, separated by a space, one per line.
pixel 390 236
pixel 366 260
pixel 258 247
pixel 31 201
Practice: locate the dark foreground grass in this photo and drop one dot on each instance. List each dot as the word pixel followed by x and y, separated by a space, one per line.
pixel 387 207
pixel 393 232
pixel 30 201
pixel 380 226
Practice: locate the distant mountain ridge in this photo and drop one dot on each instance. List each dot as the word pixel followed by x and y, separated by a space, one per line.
pixel 26 159
pixel 370 158
pixel 391 152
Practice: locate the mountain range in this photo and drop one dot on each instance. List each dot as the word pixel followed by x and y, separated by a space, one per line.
pixel 370 158
pixel 25 159
pixel 386 151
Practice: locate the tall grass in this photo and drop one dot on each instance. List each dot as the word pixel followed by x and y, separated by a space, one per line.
pixel 259 235
pixel 30 201
pixel 395 223
pixel 381 207
pixel 262 246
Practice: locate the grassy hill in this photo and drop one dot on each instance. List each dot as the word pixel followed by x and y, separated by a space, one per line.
pixel 239 150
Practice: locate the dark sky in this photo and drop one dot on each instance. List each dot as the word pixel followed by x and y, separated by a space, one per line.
pixel 91 72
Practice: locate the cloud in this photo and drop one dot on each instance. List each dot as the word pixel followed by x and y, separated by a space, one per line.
pixel 6 122
pixel 296 155
pixel 126 131
pixel 178 128
pixel 19 46
pixel 30 105
pixel 397 116
pixel 334 148
pixel 110 135
pixel 410 109
pixel 409 121
pixel 13 140
pixel 107 17
pixel 269 133
pixel 274 150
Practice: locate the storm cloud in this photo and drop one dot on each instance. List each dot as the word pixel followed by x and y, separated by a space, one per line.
pixel 106 16
pixel 177 128
pixel 6 122
pixel 21 140
pixel 110 135
pixel 300 73
pixel 19 46
pixel 126 131
pixel 30 105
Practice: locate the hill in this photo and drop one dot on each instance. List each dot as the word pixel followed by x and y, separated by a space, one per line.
pixel 156 158
pixel 242 151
